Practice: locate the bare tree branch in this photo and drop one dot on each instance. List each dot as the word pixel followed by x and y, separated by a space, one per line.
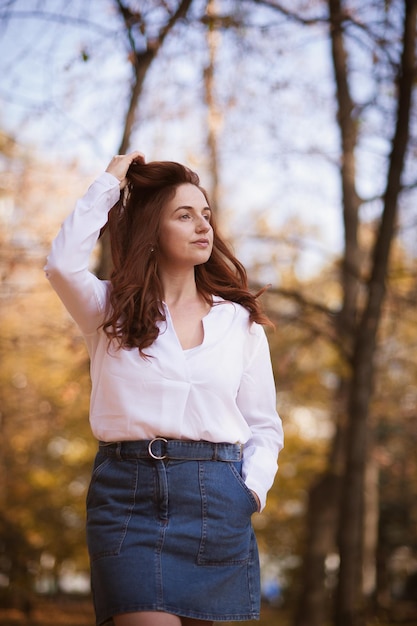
pixel 59 18
pixel 293 15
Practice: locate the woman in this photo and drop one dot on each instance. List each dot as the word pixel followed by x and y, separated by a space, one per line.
pixel 182 401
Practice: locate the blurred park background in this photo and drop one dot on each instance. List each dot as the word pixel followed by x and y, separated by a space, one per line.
pixel 300 117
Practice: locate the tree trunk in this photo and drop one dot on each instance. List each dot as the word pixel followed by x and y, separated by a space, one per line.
pixel 313 607
pixel 349 602
pixel 324 503
pixel 213 113
pixel 371 522
pixel 350 199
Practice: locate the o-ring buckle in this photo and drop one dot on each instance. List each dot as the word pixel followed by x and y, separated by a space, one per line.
pixel 157 458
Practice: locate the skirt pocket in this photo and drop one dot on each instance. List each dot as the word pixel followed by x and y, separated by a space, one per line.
pixel 227 507
pixel 110 502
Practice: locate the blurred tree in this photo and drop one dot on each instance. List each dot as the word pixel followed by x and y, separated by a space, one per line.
pixel 45 443
pixel 214 114
pixel 358 321
pixel 394 433
pixel 337 499
pixel 144 43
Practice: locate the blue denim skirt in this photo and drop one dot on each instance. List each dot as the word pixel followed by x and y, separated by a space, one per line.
pixel 172 534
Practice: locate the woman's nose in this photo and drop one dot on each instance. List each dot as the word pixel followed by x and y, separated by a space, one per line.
pixel 203 225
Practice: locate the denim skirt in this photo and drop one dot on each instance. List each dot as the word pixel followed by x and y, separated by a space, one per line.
pixel 169 529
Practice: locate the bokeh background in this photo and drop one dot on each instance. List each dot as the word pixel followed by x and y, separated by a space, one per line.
pixel 300 117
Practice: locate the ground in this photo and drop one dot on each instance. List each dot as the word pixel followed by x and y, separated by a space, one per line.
pixel 70 612
pixel 79 612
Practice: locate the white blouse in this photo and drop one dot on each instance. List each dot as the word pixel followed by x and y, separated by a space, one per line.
pixel 220 391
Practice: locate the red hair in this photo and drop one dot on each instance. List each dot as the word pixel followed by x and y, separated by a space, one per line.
pixel 134 228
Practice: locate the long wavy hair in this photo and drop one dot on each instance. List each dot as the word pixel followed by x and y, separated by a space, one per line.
pixel 136 295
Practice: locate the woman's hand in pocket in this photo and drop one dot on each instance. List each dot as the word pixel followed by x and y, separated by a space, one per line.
pixel 255 495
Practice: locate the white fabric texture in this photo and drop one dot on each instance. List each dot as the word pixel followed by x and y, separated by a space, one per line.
pixel 220 391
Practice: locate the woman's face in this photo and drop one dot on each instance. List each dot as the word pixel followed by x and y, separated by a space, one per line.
pixel 186 235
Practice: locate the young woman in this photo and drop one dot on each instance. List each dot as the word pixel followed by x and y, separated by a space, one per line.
pixel 182 403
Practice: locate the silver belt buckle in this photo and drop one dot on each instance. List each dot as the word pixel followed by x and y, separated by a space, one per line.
pixel 151 454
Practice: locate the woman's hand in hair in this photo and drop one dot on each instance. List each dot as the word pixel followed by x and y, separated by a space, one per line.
pixel 119 165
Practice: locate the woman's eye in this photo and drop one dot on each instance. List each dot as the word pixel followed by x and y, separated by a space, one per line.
pixel 186 216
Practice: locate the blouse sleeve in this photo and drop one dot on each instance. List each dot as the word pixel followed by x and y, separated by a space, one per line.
pixel 67 266
pixel 257 402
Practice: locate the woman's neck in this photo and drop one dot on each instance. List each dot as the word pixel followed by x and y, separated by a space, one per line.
pixel 179 288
